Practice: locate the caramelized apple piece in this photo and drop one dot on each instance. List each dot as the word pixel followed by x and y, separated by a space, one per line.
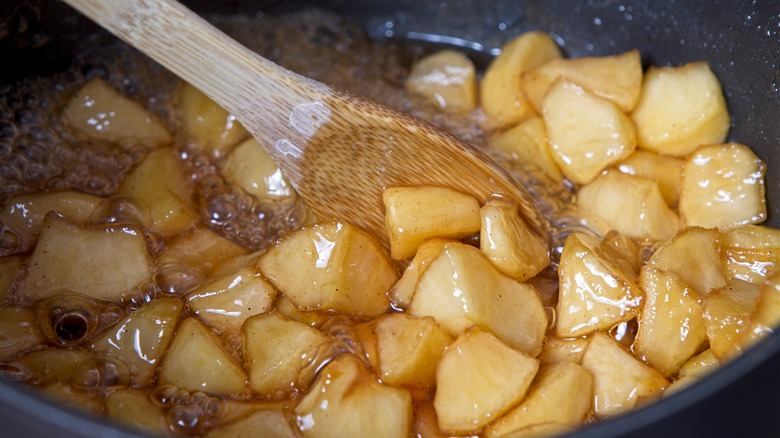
pixel 140 339
pixel 203 249
pixel 694 255
pixel 275 351
pixel 331 266
pixel 679 109
pixel 446 79
pixel 101 112
pixel 198 361
pixel 616 77
pixel 68 396
pixel 723 186
pixel 134 409
pixel 18 332
pixel 766 318
pixel 462 288
pixel 11 270
pixel 206 125
pixel 527 144
pixel 620 382
pixel 501 93
pixel 560 394
pixel 671 324
pixel 416 214
pixel 267 423
pixel 750 253
pixel 479 378
pixel 250 167
pixel 401 293
pixel 643 213
pixel 694 369
pixel 562 350
pixel 289 310
pixel 82 369
pixel 100 262
pixel 509 243
pixel 346 401
pixel 665 170
pixel 587 133
pixel 597 289
pixel 727 313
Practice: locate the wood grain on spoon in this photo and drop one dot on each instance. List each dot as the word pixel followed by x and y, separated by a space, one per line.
pixel 337 149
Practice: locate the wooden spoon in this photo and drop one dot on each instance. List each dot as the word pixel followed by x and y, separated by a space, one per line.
pixel 337 149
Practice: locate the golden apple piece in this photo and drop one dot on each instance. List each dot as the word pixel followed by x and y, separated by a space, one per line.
pixel 766 318
pixel 23 215
pixel 401 293
pixel 134 409
pixel 694 255
pixel 18 332
pixel 643 213
pixel 207 125
pixel 100 262
pixel 479 379
pixel 418 213
pixel 11 270
pixel 501 94
pixel 562 350
pixel 73 398
pixel 692 370
pixel 159 183
pixel 505 238
pixel 80 368
pixel 225 303
pixel 275 351
pixel 560 394
pixel 203 249
pixel 250 167
pixel 680 108
pixel 597 289
pixel 671 324
pixel 140 339
pixel 620 382
pixel 331 266
pixel 447 79
pixel 462 288
pixel 197 360
pixel 103 113
pixel 727 314
pixel 723 186
pixel 527 144
pixel 409 349
pixel 289 310
pixel 750 252
pixel 623 250
pixel 587 133
pixel 266 423
pixel 346 401
pixel 665 170
pixel 616 77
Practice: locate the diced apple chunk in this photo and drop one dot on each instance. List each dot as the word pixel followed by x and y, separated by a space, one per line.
pixel 723 186
pixel 727 313
pixel 509 243
pixel 750 253
pixel 207 125
pixel 679 109
pixel 225 303
pixel 101 112
pixel 275 351
pixel 140 339
pixel 416 214
pixel 266 423
pixel 766 318
pixel 563 350
pixel 617 78
pixel 159 184
pixel 462 288
pixel 409 349
pixel 480 378
pixel 401 294
pixel 100 262
pixel 23 215
pixel 671 325
pixel 561 394
pixel 18 332
pixel 133 408
pixel 694 255
pixel 201 249
pixel 597 290
pixel 81 368
pixel 346 401
pixel 331 266
pixel 446 79
pixel 642 212
pixel 527 143
pixel 665 170
pixel 692 370
pixel 587 133
pixel 250 167
pixel 198 361
pixel 501 93
pixel 289 310
pixel 620 382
